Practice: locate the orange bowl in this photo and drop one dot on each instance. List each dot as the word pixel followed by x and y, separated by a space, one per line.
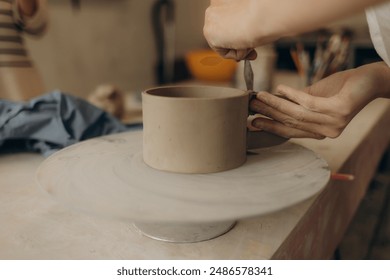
pixel 207 65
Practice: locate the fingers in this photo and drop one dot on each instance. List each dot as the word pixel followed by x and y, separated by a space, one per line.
pixel 252 55
pixel 293 120
pixel 295 125
pixel 292 109
pixel 283 130
pixel 307 101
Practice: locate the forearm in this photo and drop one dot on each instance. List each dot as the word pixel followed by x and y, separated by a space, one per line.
pixel 247 24
pixel 280 18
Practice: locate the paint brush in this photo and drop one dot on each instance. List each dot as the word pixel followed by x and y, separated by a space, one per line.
pixel 294 56
pixel 342 177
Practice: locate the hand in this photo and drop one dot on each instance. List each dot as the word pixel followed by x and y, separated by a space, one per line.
pixel 27 7
pixel 325 108
pixel 234 28
pixel 228 29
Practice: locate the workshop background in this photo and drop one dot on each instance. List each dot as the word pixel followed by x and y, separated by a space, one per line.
pixel 93 42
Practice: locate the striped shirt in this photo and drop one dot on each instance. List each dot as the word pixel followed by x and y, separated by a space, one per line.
pixel 12 24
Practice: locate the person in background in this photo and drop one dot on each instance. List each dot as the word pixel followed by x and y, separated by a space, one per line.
pixel 19 79
pixel 234 28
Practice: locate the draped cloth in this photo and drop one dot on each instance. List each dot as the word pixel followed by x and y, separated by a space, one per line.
pixel 53 121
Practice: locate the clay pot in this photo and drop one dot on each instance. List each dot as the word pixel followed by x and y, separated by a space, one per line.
pixel 195 129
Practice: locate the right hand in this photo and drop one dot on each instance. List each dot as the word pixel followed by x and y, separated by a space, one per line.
pixel 224 29
pixel 231 28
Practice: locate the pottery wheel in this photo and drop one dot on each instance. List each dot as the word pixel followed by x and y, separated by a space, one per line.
pixel 107 176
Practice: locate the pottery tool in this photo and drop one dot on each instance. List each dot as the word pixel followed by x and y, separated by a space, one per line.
pixel 341 57
pixel 297 63
pixel 301 61
pixel 328 58
pixel 329 54
pixel 319 53
pixel 248 75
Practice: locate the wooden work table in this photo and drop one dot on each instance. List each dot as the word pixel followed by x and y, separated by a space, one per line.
pixel 33 226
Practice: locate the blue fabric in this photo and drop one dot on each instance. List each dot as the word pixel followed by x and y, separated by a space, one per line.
pixel 53 121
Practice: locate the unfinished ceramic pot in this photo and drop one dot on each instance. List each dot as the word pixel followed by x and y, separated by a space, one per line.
pixel 197 129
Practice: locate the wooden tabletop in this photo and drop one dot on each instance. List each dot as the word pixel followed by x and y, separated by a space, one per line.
pixel 36 227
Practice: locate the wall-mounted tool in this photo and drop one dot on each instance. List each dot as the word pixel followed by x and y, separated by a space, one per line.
pixel 163 21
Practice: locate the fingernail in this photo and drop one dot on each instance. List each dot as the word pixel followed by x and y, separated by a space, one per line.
pixel 257 124
pixel 280 89
pixel 249 124
pixel 260 95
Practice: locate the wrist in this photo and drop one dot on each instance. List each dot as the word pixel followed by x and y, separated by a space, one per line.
pixel 382 80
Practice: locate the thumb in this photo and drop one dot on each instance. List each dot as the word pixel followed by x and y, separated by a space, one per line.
pixel 238 55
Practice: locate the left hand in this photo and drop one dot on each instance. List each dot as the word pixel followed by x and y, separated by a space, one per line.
pixel 228 29
pixel 325 108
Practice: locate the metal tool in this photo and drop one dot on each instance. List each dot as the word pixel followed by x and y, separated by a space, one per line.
pixel 248 76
